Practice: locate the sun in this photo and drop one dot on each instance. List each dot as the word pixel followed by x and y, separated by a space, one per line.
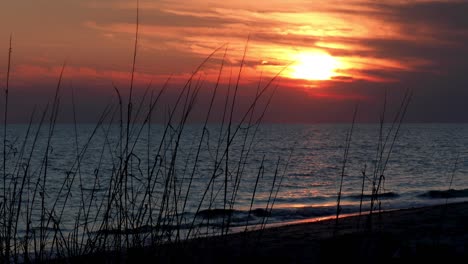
pixel 314 66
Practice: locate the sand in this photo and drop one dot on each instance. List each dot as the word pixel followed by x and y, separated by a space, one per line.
pixel 428 233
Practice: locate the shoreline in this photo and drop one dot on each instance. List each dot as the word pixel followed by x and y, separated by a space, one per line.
pixel 439 231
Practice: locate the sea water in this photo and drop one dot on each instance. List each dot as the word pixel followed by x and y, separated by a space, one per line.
pixel 216 176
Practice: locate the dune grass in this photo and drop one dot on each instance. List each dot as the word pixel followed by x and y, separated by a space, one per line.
pixel 144 204
pixel 147 198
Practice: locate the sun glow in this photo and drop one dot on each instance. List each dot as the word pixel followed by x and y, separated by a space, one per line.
pixel 314 66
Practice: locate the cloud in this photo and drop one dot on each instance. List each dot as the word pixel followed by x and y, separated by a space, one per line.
pixel 393 45
pixel 383 37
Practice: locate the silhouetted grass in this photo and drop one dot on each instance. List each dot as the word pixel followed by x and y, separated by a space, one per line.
pixel 348 139
pixel 143 200
pixel 384 150
pixel 134 204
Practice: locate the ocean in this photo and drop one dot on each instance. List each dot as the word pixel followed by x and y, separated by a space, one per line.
pixel 191 180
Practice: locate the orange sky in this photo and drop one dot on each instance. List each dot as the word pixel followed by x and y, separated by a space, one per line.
pixel 371 46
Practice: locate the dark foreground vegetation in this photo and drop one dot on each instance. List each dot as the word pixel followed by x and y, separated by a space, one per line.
pixel 150 210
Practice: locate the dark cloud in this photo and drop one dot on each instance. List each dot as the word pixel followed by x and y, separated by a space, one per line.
pixel 439 14
pixel 432 40
pixel 161 17
pixel 436 30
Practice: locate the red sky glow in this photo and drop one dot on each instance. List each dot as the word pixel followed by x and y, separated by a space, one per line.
pixel 364 48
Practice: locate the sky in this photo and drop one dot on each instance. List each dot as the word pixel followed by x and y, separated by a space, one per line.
pixel 327 56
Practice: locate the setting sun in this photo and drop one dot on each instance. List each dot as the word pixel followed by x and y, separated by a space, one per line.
pixel 314 66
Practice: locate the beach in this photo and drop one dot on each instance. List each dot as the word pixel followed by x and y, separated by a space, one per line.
pixel 139 131
pixel 424 233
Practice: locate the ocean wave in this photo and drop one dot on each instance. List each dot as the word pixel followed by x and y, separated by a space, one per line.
pixel 279 214
pixel 93 189
pixel 215 213
pixel 301 200
pixel 240 214
pixel 218 218
pixel 385 195
pixel 300 174
pixel 452 193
